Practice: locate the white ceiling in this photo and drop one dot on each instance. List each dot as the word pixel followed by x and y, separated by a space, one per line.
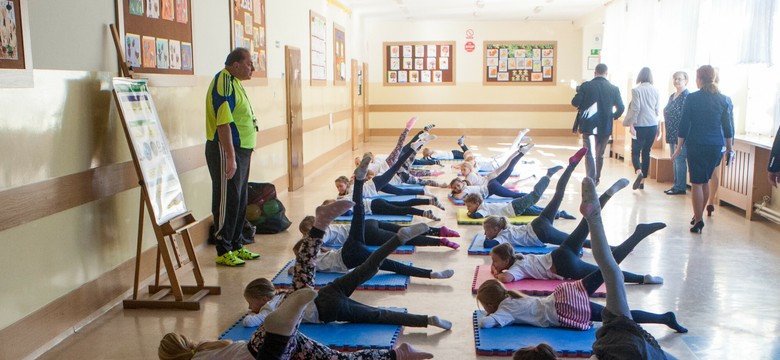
pixel 475 10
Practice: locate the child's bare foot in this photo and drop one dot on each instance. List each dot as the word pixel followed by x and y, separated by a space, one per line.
pixel 590 200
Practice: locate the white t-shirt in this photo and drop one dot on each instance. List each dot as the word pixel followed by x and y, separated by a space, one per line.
pixel 335 235
pixel 476 189
pixel 236 350
pixel 500 209
pixel 367 206
pixel 442 155
pixel 534 267
pixel 331 261
pixel 520 235
pixel 527 310
pixel 369 189
pixel 310 313
pixel 476 179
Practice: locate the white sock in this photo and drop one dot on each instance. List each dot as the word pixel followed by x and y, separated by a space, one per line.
pixel 441 323
pixel 444 274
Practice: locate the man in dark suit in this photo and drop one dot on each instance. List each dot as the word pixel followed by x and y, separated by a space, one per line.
pixel 598 103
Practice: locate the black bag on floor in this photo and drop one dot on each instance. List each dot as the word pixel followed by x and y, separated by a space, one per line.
pixel 264 210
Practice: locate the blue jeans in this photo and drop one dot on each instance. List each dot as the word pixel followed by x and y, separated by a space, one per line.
pixel 680 168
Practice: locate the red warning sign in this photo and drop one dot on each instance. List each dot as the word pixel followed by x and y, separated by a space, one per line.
pixel 469 46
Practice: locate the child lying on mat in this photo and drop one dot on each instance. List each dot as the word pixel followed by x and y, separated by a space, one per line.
pixel 355 252
pixel 494 186
pixel 498 230
pixel 380 206
pixel 378 233
pixel 381 182
pixel 333 301
pixel 620 336
pixel 279 339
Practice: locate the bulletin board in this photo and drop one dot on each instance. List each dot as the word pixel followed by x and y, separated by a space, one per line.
pixel 11 41
pixel 317 47
pixel 419 63
pixel 520 62
pixel 339 55
pixel 248 31
pixel 158 36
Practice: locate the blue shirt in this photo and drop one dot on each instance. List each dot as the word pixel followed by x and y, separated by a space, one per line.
pixel 707 119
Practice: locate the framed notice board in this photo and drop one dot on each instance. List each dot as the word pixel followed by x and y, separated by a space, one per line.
pixel 419 63
pixel 318 63
pixel 158 35
pixel 339 55
pixel 247 18
pixel 11 41
pixel 520 62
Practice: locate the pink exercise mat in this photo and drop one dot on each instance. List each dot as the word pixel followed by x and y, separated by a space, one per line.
pixel 527 286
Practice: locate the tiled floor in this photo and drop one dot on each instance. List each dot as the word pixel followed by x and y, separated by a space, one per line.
pixel 721 284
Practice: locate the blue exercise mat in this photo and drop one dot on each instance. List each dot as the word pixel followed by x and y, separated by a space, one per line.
pixel 383 280
pixel 386 218
pixel 401 250
pixel 506 340
pixel 391 197
pixel 489 199
pixel 336 335
pixel 477 247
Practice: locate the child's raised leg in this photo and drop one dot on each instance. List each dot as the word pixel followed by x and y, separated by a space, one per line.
pixel 612 276
pixel 306 259
pixel 578 238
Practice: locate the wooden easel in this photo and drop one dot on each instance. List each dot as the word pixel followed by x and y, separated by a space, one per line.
pixel 162 296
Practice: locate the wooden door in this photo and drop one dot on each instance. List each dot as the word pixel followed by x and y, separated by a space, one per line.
pixel 292 70
pixel 364 86
pixel 357 104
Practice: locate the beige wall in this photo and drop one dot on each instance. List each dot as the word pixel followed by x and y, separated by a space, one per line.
pixel 63 130
pixel 468 89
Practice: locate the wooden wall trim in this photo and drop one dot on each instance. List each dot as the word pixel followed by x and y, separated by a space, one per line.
pixel 66 315
pixel 23 204
pixel 471 108
pixel 320 121
pixel 321 161
pixel 477 132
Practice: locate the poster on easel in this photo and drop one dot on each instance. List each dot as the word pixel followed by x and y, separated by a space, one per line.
pixel 11 42
pixel 248 30
pixel 419 63
pixel 150 149
pixel 520 62
pixel 157 35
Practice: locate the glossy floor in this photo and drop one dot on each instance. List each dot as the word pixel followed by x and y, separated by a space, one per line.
pixel 721 284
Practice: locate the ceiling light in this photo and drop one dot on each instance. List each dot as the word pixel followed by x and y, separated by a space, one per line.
pixel 537 9
pixel 480 3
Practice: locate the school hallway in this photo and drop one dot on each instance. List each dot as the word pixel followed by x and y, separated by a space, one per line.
pixel 719 283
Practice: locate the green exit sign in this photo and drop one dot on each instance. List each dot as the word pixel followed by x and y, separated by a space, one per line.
pixel 595 51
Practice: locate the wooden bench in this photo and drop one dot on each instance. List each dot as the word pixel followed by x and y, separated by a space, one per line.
pixel 661 167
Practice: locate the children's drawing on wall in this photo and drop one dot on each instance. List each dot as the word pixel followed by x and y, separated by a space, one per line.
pixel 9 46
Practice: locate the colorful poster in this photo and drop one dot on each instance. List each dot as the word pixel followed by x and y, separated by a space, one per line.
pixel 182 15
pixel 136 7
pixel 151 148
pixel 168 10
pixel 174 54
pixel 133 49
pixel 162 53
pixel 407 50
pixel 419 51
pixel 149 51
pixel 153 9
